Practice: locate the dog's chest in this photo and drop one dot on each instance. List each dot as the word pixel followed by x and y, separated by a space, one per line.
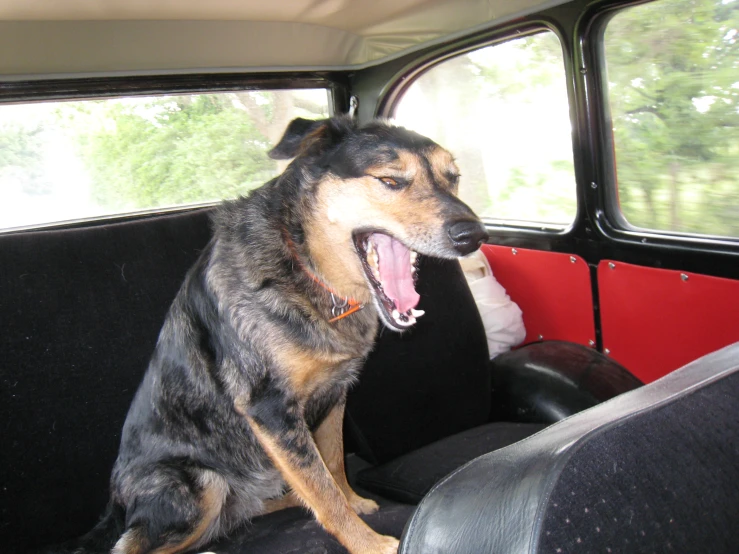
pixel 310 372
pixel 323 363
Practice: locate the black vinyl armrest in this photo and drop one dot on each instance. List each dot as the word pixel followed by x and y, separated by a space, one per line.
pixel 545 382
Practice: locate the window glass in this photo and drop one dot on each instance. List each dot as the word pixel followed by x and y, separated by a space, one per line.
pixel 502 111
pixel 71 160
pixel 673 77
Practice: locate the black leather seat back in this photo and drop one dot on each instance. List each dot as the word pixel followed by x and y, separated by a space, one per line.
pixel 666 479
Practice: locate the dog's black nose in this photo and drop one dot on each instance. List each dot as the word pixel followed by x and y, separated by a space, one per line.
pixel 467 236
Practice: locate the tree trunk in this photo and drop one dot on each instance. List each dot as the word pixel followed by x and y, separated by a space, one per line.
pixel 674 196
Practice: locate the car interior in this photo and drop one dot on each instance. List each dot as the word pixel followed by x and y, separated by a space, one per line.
pixel 597 141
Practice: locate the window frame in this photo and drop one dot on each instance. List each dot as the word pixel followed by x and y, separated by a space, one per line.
pixel 100 88
pixel 609 217
pixel 393 92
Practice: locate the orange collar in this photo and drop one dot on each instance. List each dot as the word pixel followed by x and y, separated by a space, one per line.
pixel 343 306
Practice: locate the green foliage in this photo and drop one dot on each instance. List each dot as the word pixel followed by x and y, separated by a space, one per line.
pixel 502 110
pixel 167 151
pixel 674 85
pixel 21 156
pixel 533 64
pixel 673 75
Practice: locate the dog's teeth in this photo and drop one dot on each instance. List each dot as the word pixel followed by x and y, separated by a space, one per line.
pixel 410 321
pixel 405 319
pixel 416 313
pixel 414 255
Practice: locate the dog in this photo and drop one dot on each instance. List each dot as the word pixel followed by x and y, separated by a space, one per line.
pixel 240 411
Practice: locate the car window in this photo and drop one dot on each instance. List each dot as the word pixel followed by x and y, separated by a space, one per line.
pixel 73 160
pixel 503 112
pixel 673 80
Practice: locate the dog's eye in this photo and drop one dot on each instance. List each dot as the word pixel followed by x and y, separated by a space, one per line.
pixel 389 181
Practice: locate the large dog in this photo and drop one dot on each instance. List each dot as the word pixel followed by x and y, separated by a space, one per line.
pixel 240 412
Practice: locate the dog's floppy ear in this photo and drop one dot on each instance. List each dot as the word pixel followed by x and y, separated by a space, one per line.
pixel 310 136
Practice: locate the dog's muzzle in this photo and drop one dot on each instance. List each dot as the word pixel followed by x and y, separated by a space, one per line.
pixel 467 236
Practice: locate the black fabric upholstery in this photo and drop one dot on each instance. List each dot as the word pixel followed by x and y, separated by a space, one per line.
pixel 545 382
pixel 664 457
pixel 81 310
pixel 429 382
pixel 409 477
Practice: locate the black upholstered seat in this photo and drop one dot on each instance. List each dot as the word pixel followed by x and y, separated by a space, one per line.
pixel 654 470
pixel 82 309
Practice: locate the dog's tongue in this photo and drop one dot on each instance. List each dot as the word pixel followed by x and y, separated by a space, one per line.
pixel 395 272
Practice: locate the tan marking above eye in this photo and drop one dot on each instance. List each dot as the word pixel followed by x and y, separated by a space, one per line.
pixel 443 166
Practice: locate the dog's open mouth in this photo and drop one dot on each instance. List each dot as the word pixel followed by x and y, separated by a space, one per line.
pixel 391 269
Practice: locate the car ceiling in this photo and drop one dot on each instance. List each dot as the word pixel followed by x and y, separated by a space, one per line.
pixel 75 37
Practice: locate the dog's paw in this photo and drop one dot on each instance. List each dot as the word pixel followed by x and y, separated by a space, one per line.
pixel 388 545
pixel 362 505
pixel 369 542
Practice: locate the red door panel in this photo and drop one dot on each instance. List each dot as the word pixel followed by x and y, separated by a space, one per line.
pixel 552 289
pixel 656 320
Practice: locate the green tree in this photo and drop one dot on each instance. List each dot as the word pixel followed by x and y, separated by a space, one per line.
pixel 180 149
pixel 21 156
pixel 512 77
pixel 674 84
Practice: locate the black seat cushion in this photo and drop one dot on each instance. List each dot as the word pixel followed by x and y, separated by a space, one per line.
pixel 428 383
pixel 295 531
pixel 409 477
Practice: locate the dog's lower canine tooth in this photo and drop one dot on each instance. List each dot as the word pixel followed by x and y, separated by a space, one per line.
pixel 396 314
pixel 416 313
pixel 406 323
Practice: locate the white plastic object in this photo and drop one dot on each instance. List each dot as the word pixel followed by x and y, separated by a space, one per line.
pixel 501 316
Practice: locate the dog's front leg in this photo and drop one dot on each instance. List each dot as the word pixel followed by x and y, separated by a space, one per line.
pixel 280 428
pixel 329 438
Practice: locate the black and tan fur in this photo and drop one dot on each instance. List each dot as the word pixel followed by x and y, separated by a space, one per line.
pixel 240 412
